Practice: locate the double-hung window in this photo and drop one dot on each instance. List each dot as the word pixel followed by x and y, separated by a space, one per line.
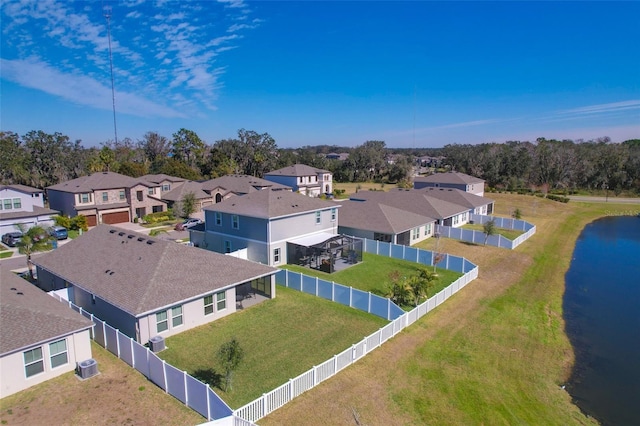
pixel 122 196
pixel 333 215
pixel 221 301
pixel 162 324
pixel 235 221
pixel 218 218
pixel 176 316
pixel 208 305
pixel 58 353
pixel 7 204
pixel 152 191
pixel 84 198
pixel 166 187
pixel 17 203
pixel 276 255
pixel 33 362
pixel 317 218
pixel 105 197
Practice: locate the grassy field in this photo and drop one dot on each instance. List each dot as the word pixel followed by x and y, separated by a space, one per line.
pixel 373 274
pixel 495 353
pixel 510 234
pixel 282 338
pixel 351 188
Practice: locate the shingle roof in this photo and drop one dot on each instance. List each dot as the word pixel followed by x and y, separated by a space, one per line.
pixel 414 201
pixel 241 184
pixel 271 204
pixel 97 181
pixel 22 188
pixel 179 192
pixel 161 177
pixel 378 217
pixel 29 316
pixel 450 177
pixel 140 274
pixel 37 211
pixel 296 170
pixel 456 196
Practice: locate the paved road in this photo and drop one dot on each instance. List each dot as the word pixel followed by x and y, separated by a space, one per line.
pixel 616 200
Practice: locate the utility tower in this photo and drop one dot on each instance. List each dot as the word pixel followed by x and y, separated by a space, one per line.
pixel 107 16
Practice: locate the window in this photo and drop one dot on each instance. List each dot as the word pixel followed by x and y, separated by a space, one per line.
pixel 333 215
pixel 218 218
pixel 58 353
pixel 85 198
pixel 415 233
pixel 17 203
pixel 176 316
pixel 300 179
pixel 456 219
pixel 276 255
pixel 208 305
pixel 33 363
pixel 317 217
pixel 7 204
pixel 235 221
pixel 151 191
pixel 166 187
pixel 105 197
pixel 227 246
pixel 139 195
pixel 161 321
pixel 427 230
pixel 221 301
pixel 122 195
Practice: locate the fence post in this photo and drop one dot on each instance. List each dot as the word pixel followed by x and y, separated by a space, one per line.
pixel 208 403
pixel 353 353
pixel 350 297
pixel 388 309
pixel 316 286
pixel 104 333
pixel 315 376
pixel 186 389
pixel 133 354
pixel 264 405
pixel 333 291
pixel 164 376
pixel 286 278
pixel 369 304
pixel 118 342
pixel 290 389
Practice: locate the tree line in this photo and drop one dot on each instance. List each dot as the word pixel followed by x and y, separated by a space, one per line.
pixel 41 159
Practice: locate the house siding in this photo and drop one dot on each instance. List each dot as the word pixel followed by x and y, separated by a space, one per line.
pixel 64 202
pixel 12 369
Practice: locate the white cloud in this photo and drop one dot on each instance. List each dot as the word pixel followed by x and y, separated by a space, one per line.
pixel 604 108
pixel 79 89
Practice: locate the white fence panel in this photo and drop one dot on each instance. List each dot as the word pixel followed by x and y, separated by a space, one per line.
pixel 325 370
pixel 277 398
pixel 302 383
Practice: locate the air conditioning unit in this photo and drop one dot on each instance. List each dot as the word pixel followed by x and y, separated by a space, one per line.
pixel 156 344
pixel 87 368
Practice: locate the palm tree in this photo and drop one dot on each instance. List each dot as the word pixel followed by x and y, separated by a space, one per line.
pixel 33 240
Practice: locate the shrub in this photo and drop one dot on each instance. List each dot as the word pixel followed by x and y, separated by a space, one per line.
pixel 558 198
pixel 62 221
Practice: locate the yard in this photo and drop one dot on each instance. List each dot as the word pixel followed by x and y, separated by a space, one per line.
pixel 373 274
pixel 281 338
pixel 510 234
pixel 118 395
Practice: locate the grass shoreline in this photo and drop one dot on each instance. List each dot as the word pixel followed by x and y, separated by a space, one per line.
pixel 495 353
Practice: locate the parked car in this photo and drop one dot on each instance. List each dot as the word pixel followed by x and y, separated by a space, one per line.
pixel 188 223
pixel 59 232
pixel 10 239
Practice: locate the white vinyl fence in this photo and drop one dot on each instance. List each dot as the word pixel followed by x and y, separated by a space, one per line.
pixel 479 237
pixel 365 301
pixel 189 390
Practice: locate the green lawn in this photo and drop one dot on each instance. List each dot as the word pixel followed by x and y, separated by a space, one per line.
pixel 282 338
pixel 510 234
pixel 373 274
pixel 5 253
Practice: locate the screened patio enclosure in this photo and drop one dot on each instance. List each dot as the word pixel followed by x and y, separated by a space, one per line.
pixel 325 252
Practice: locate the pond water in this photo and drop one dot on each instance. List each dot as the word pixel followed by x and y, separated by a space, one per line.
pixel 602 314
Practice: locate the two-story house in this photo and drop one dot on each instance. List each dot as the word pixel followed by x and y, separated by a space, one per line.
pixel 165 182
pixel 262 223
pixel 304 179
pixel 21 204
pixel 232 185
pixel 455 180
pixel 106 197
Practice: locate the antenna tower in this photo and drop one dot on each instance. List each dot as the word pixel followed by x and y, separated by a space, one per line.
pixel 107 16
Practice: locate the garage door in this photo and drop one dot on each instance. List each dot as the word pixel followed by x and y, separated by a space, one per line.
pixel 92 220
pixel 111 218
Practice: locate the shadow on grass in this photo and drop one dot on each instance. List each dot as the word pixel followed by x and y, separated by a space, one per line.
pixel 469 243
pixel 209 376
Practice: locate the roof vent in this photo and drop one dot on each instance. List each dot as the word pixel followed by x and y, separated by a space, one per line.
pixel 13 288
pixel 111 273
pixel 130 236
pixel 112 231
pixel 121 233
pixel 20 293
pixel 150 242
pixel 140 239
pixel 107 271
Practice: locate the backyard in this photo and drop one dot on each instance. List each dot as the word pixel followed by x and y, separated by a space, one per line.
pixel 281 339
pixel 372 274
pixel 510 234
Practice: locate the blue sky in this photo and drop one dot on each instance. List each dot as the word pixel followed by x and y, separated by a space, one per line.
pixel 413 74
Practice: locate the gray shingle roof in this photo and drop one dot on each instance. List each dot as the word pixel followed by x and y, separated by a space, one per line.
pixel 161 177
pixel 124 269
pixel 179 192
pixel 37 211
pixel 98 181
pixel 414 201
pixel 22 188
pixel 378 217
pixel 271 204
pixel 297 170
pixel 241 184
pixel 450 177
pixel 456 196
pixel 32 317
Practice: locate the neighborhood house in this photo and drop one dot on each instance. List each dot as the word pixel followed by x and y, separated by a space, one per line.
pixel 304 179
pixel 40 338
pixel 23 205
pixel 147 287
pixel 454 180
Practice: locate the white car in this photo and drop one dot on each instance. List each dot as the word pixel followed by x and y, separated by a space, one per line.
pixel 189 223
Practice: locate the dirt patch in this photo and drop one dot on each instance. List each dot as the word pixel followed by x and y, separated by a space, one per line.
pixel 118 395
